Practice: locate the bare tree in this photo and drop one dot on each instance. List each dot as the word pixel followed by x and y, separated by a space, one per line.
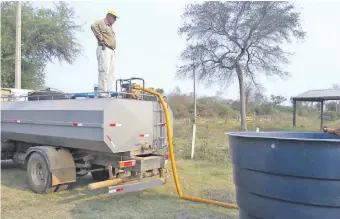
pixel 248 91
pixel 237 40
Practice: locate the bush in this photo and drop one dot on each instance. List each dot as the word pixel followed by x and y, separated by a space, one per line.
pixel 302 112
pixel 265 109
pixel 332 115
pixel 217 107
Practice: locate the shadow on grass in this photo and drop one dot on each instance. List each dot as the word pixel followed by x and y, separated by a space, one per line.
pixel 219 195
pixel 14 175
pixel 8 165
pixel 148 205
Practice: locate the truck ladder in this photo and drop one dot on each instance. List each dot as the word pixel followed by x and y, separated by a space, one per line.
pixel 160 126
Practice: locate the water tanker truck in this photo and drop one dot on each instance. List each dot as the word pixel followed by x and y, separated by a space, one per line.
pixel 120 140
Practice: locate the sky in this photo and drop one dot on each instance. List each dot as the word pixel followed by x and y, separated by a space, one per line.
pixel 148 46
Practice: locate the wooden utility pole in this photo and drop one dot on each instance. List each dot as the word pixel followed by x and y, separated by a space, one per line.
pixel 18 47
pixel 194 119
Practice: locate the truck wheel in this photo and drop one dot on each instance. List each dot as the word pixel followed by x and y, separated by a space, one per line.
pixel 39 176
pixel 100 175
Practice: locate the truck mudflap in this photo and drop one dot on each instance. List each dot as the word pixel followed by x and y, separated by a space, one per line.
pixel 60 162
pixel 121 189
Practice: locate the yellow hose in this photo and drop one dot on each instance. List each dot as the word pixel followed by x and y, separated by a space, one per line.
pixel 172 156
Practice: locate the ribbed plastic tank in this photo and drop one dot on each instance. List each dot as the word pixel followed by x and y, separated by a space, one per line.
pixel 286 175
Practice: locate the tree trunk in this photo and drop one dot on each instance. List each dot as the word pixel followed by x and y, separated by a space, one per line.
pixel 242 97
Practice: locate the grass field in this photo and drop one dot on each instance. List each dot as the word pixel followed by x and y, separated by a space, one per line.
pixel 208 176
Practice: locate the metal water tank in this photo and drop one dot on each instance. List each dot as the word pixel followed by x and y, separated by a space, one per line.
pixel 286 175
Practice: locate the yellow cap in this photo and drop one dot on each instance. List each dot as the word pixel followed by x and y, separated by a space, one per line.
pixel 113 12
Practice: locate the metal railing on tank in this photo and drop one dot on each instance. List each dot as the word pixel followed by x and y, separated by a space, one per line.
pixel 72 96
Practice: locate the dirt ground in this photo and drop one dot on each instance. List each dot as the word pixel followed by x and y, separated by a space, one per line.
pixel 197 178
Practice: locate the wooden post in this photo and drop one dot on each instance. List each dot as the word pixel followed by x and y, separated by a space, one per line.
pixel 294 113
pixel 194 122
pixel 321 115
pixel 18 47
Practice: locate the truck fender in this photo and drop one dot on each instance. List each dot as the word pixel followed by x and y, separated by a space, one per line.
pixel 60 163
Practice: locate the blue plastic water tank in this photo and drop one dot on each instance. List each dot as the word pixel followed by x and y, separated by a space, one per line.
pixel 286 175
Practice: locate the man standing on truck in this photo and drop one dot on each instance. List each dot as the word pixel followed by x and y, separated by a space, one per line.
pixel 102 29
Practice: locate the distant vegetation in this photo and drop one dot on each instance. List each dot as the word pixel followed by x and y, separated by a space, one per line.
pixel 258 107
pixel 217 116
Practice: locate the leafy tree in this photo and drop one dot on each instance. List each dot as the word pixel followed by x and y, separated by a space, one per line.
pixel 150 97
pixel 331 106
pixel 337 105
pixel 277 100
pixel 47 35
pixel 160 91
pixel 333 109
pixel 228 40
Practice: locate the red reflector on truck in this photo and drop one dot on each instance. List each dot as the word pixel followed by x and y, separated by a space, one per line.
pixel 115 125
pixel 116 190
pixel 143 135
pixel 119 189
pixel 76 124
pixel 166 156
pixel 108 138
pixel 128 163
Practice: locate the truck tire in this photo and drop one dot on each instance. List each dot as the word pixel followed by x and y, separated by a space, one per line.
pixel 39 175
pixel 100 175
